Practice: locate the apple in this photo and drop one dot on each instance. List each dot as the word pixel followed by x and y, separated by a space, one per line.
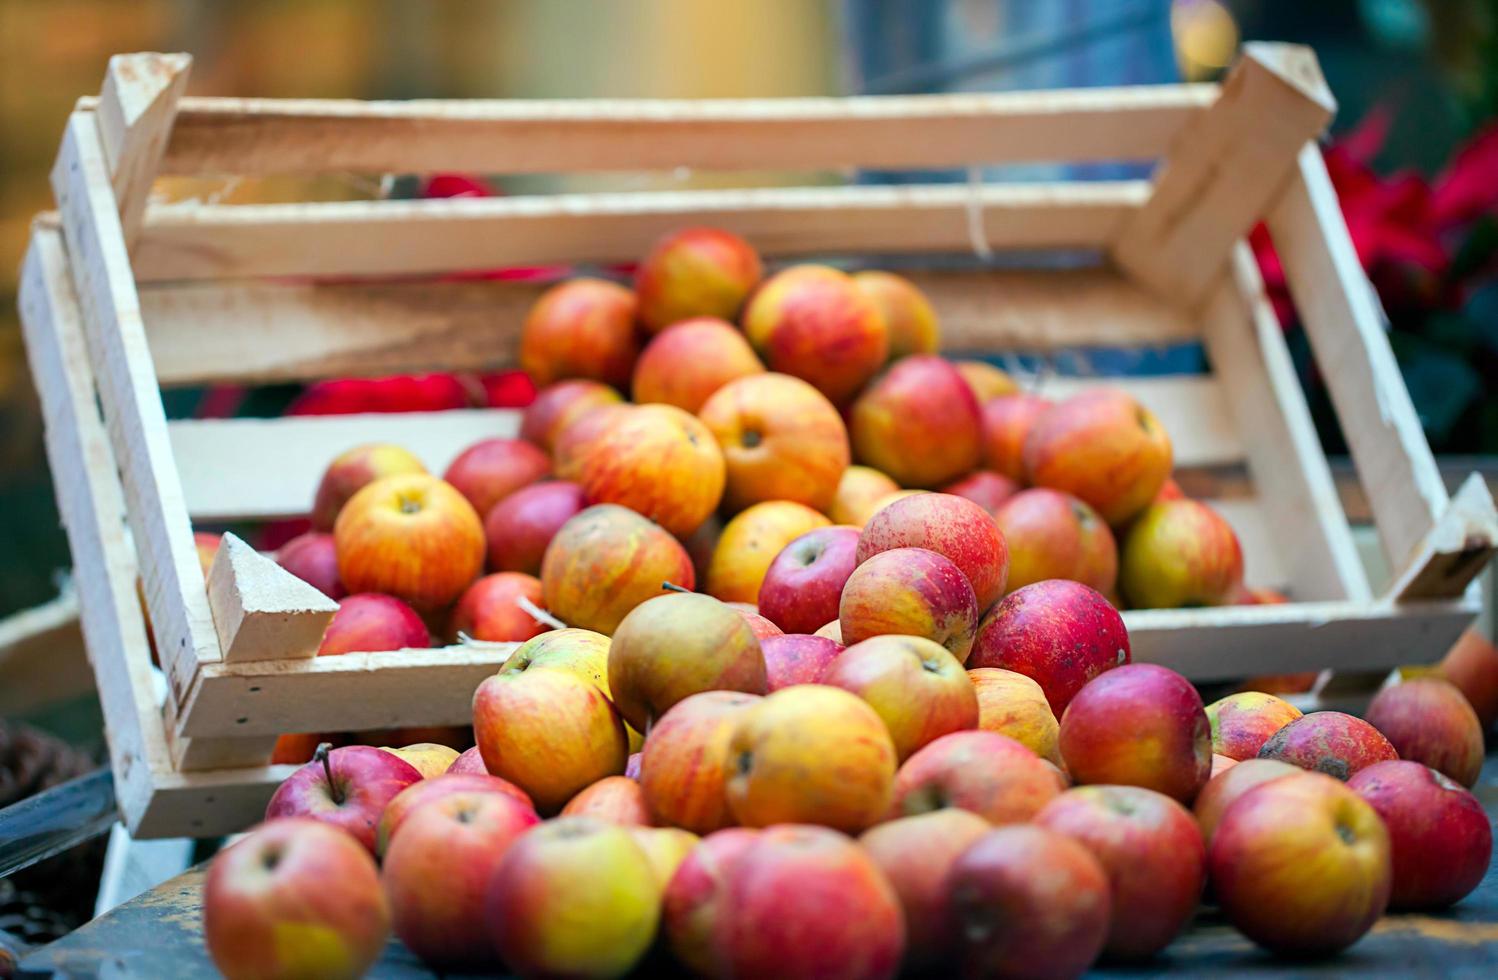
pixel 859 490
pixel 696 899
pixel 1223 788
pixel 796 658
pixel 831 631
pixel 297 748
pixel 417 795
pixel 345 788
pixel 370 622
pixel 1012 704
pixel 490 470
pixel 1221 764
pixel 804 583
pixel 910 592
pixel 1242 722
pixel 813 322
pixel 520 526
pixel 605 562
pixel 428 758
pixel 665 848
pixel 549 732
pixel 1152 851
pixel 949 525
pixel 909 320
pixel 1472 665
pixel 1139 725
pixel 916 854
pixel 489 610
pixel 582 653
pixel 1440 839
pixel 577 440
pixel 683 765
pixel 686 363
pixel 918 422
pixel 1102 446
pixel 1007 420
pixel 1028 902
pixel 761 627
pixel 776 764
pixel 1428 720
pixel 1329 741
pixel 414 537
pixel 559 404
pixel 985 488
pixel 919 689
pixel 695 272
pixel 658 461
pixel 749 544
pixel 436 874
pixel 1051 534
pixel 547 914
pixel 614 799
pixel 987 381
pixel 313 558
pixel 352 471
pixel 1180 553
pixel 1300 865
pixel 581 328
pixel 294 898
pixel 983 772
pixel 1060 633
pixel 781 440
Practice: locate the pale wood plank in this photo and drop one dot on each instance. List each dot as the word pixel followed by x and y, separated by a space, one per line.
pixel 406 238
pixel 212 803
pixel 262 611
pixel 135 113
pixel 42 658
pixel 1456 550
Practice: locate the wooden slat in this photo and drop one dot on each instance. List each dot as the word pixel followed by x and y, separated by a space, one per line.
pixel 42 659
pixel 236 469
pixel 1456 550
pixel 1192 407
pixel 135 113
pixel 266 136
pixel 212 803
pixel 404 238
pixel 1264 561
pixel 262 611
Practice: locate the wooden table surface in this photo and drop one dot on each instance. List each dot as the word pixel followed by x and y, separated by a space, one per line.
pixel 159 936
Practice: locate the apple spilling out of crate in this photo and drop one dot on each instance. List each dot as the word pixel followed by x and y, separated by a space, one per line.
pixel 822 675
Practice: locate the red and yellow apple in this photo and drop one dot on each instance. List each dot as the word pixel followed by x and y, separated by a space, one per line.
pixel 581 328
pixel 987 381
pixel 951 526
pixel 909 592
pixel 683 769
pixel 559 404
pixel 428 758
pixel 1012 704
pixel 352 471
pixel 909 320
pixel 916 687
pixel 1242 722
pixel 613 799
pixel 1223 788
pixel 859 492
pixel 348 789
pixel 1007 420
pixel 1472 665
pixel 686 363
pixel 490 610
pixel 1428 720
pixel 918 422
pixel 813 321
pixel 695 272
pixel 1054 535
pixel 658 461
pixel 1103 447
pixel 1180 553
pixel 985 488
pixel 985 773
pixel 605 562
pixel 797 658
pixel 749 544
pixel 697 900
pixel 418 795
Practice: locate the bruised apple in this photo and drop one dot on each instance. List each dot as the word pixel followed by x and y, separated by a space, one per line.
pixel 1332 742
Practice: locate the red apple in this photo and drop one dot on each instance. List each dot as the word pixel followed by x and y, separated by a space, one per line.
pixel 1007 420
pixel 614 799
pixel 762 628
pixel 919 689
pixel 294 898
pixel 353 470
pixel 470 761
pixel 346 788
pixel 1472 665
pixel 490 609
pixel 312 558
pixel 1329 741
pixel 685 364
pixel 408 800
pixel 1054 535
pixel 581 328
pixel 908 317
pixel 658 461
pixel 750 543
pixel 1180 553
pixel 803 584
pixel 370 622
pixel 1428 720
pixel 918 422
pixel 813 322
pixel 559 405
pixel 492 469
pixel 951 526
pixel 1223 788
pixel 988 774
pixel 683 766
pixel 605 562
pixel 797 658
pixel 695 272
pixel 910 592
pixel 520 526
pixel 985 488
pixel 696 899
pixel 1242 722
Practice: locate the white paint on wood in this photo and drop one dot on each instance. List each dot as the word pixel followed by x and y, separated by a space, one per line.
pixel 134 114
pixel 262 611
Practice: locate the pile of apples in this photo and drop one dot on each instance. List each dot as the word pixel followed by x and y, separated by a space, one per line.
pixel 897 729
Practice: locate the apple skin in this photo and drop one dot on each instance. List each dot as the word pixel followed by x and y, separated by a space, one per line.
pixel 1153 854
pixel 576 441
pixel 813 322
pixel 831 631
pixel 490 470
pixel 1139 725
pixel 294 898
pixel 428 758
pixel 1242 722
pixel 352 471
pixel 985 488
pixel 436 874
pixel 1007 420
pixel 414 537
pixel 548 883
pixel 1428 720
pixel 549 732
pixel 370 622
pixel 1102 446
pixel 776 769
pixel 1472 665
pixel 1221 764
pixel 916 854
pixel 695 272
pixel 859 490
pixel 1051 534
pixel 1009 703
pixel 471 760
pixel 909 592
pixel 987 381
pixel 1063 634
pixel 686 363
pixel 919 689
pixel 417 795
pixel 949 525
pixel 1440 839
pixel 658 461
pixel 613 799
pixel 666 848
pixel 803 584
pixel 581 328
pixel 1330 742
pixel 683 765
pixel 797 658
pixel 520 526
pixel 696 898
pixel 677 645
pixel 1028 903
pixel 1180 553
pixel 759 625
pixel 312 558
pixel 982 772
pixel 559 404
pixel 1301 865
pixel 781 440
pixel 918 422
pixel 364 780
pixel 489 610
pixel 1225 787
pixel 605 562
pixel 749 544
pixel 909 320
pixel 582 653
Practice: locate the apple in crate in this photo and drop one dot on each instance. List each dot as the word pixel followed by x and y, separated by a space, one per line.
pixel 695 272
pixel 804 583
pixel 559 404
pixel 985 488
pixel 987 381
pixel 762 628
pixel 615 799
pixel 749 544
pixel 951 526
pixel 1051 534
pixel 520 526
pixel 859 490
pixel 346 788
pixel 492 469
pixel 691 360
pixel 428 758
pixel 797 658
pixel 581 328
pixel 408 800
pixel 665 848
pixel 1428 720
pixel 1102 446
pixel 658 461
pixel 919 689
pixel 294 898
pixel 988 774
pixel 1009 703
pixel 1007 420
pixel 1180 553
pixel 813 321
pixel 313 558
pixel 490 609
pixel 909 320
pixel 576 442
pixel 1225 787
pixel 370 622
pixel 1243 722
pixel 910 592
pixel 583 653
pixel 781 440
pixel 352 471
pixel 696 898
pixel 1332 742
pixel 918 422
pixel 1472 665
pixel 684 766
pixel 605 562
pixel 470 760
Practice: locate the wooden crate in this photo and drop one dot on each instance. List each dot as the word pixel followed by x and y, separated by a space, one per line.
pixel 122 298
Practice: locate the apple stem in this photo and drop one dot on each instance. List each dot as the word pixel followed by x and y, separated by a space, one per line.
pixel 538 614
pixel 673 587
pixel 321 755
